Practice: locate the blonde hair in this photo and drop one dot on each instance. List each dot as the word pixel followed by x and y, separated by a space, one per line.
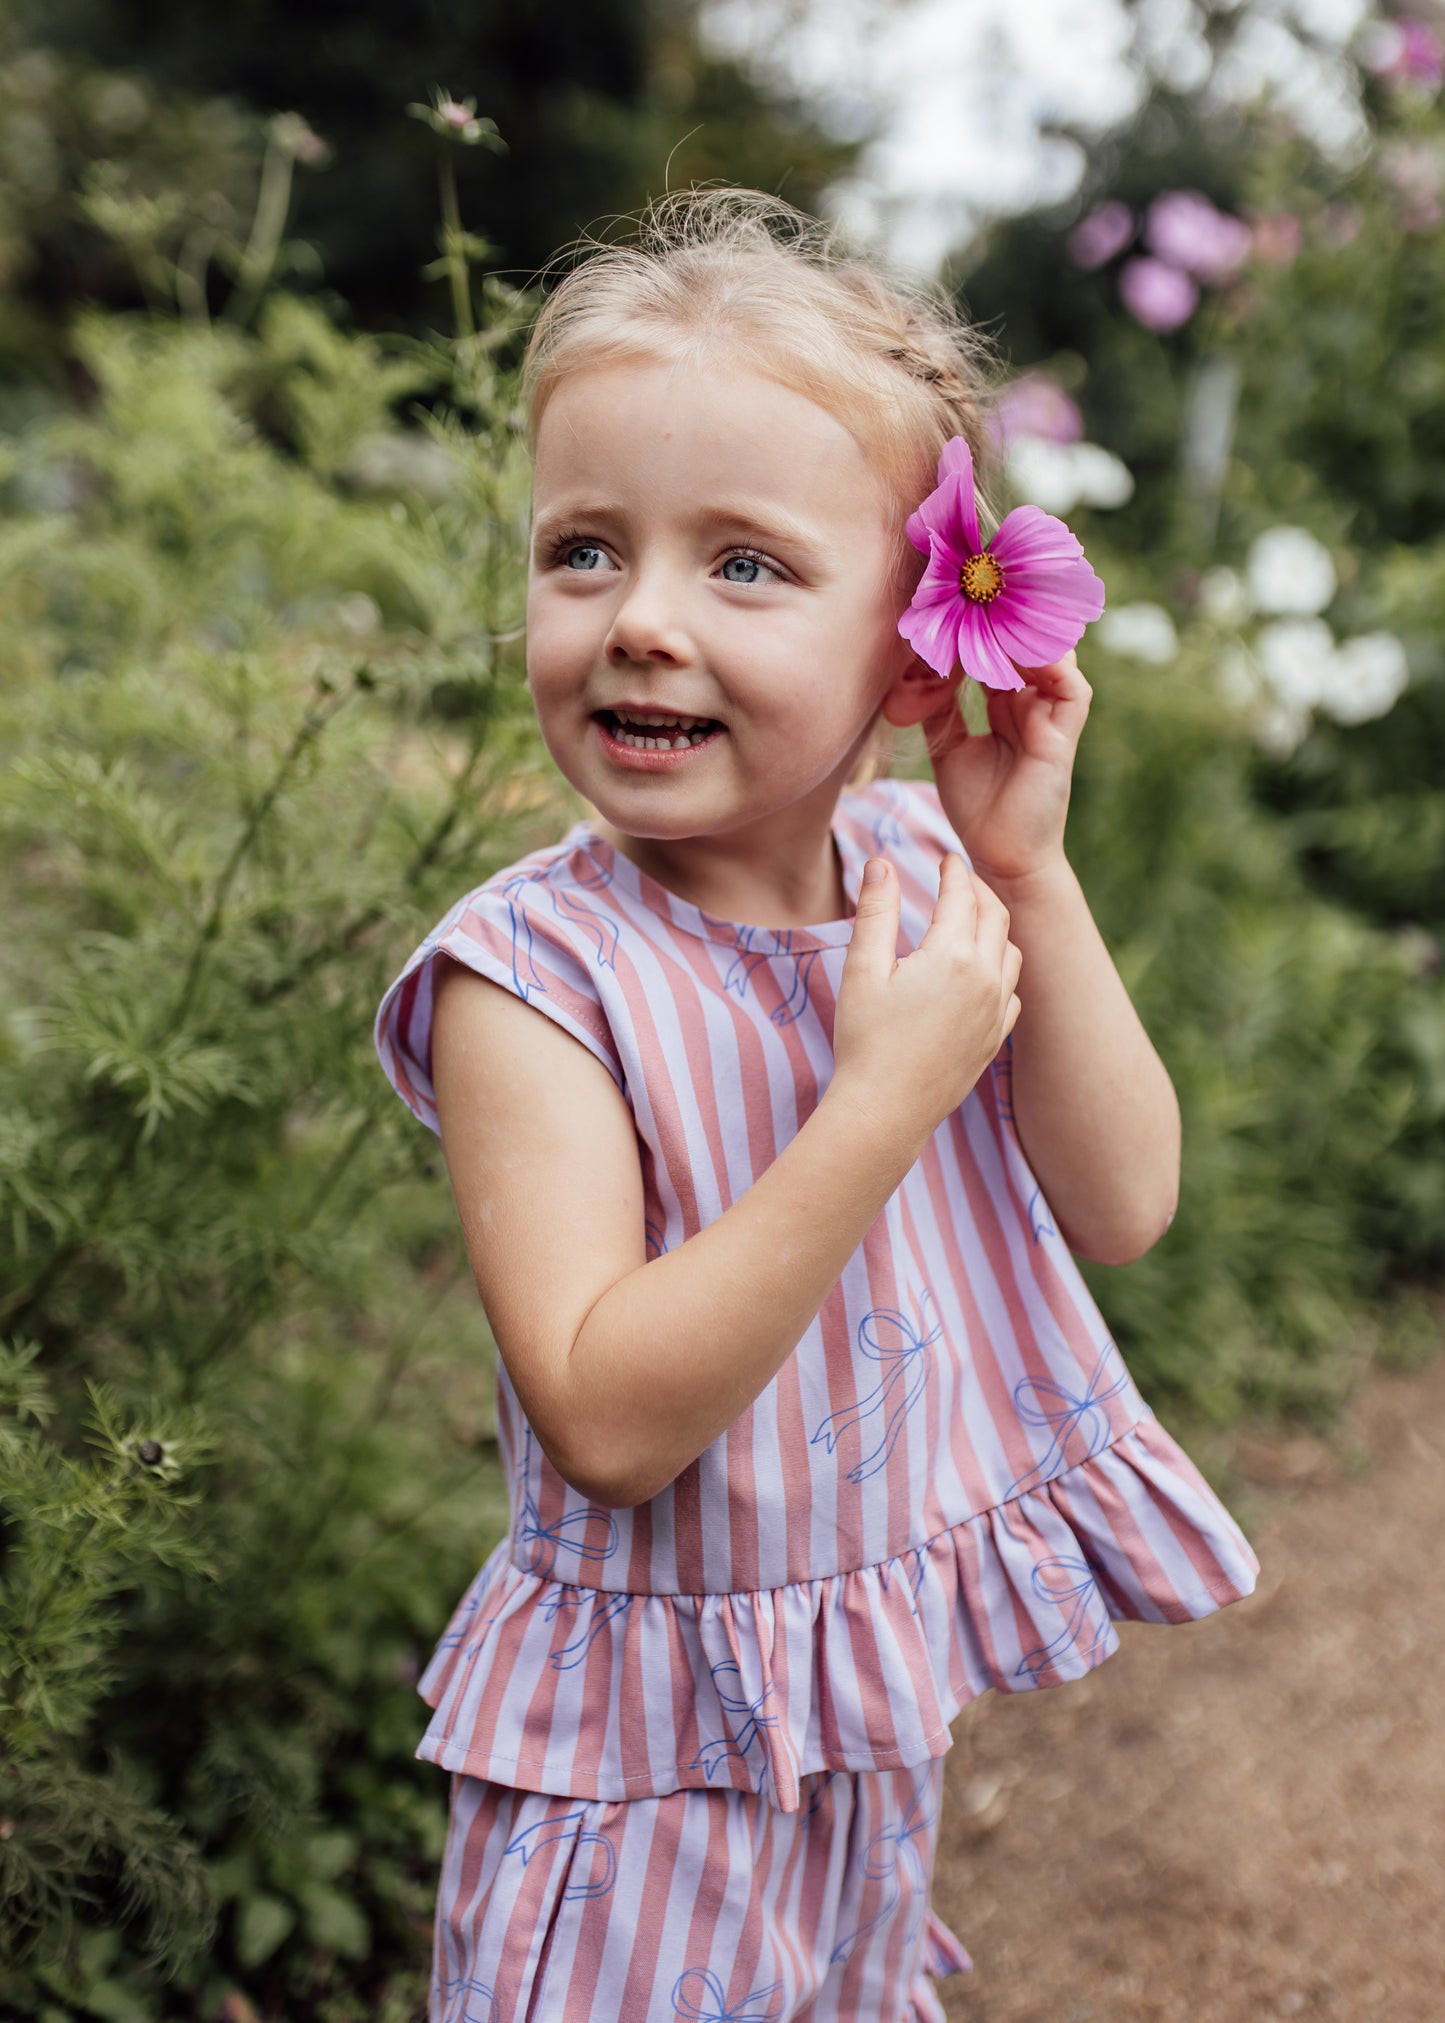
pixel 736 270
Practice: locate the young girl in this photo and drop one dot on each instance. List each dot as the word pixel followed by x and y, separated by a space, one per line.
pixel 812 1429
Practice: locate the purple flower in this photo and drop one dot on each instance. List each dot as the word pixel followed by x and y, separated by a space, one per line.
pixel 1025 597
pixel 1106 231
pixel 1035 405
pixel 1407 51
pixel 1185 230
pixel 1157 295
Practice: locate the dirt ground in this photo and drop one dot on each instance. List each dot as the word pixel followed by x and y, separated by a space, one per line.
pixel 1243 1818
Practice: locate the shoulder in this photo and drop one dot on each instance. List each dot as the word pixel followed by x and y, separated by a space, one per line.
pixel 903 818
pixel 542 929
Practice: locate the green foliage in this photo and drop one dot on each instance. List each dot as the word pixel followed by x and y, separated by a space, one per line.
pixel 1278 912
pixel 265 717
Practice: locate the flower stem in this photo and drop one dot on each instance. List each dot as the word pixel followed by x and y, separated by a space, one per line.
pixel 456 259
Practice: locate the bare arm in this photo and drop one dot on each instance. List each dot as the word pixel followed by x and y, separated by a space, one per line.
pixel 1096 1111
pixel 628 1368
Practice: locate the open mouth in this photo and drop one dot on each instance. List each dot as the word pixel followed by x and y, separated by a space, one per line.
pixel 657 732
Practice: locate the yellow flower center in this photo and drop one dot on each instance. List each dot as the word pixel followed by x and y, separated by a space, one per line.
pixel 980 578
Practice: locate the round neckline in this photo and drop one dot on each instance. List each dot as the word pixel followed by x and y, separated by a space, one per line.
pixel 641 886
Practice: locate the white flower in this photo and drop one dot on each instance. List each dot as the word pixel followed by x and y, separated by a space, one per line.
pixel 1291 572
pixel 1043 473
pixel 1223 598
pixel 1060 476
pixel 1142 631
pixel 1366 678
pixel 1281 731
pixel 1102 478
pixel 1295 655
pixel 1278 727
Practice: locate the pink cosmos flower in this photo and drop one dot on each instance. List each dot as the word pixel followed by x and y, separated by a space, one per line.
pixel 1184 229
pixel 1106 231
pixel 1156 294
pixel 1027 596
pixel 1036 405
pixel 1406 52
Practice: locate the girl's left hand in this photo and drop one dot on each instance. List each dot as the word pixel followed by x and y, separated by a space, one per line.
pixel 1006 791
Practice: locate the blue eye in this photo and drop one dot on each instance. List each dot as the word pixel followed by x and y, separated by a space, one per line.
pixel 755 563
pixel 591 557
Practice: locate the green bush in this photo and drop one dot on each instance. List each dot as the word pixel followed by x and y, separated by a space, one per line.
pixel 265 718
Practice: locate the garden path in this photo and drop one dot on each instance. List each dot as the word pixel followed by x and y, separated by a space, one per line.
pixel 1241 1819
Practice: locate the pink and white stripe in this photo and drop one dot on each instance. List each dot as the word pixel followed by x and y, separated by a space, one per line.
pixel 710 1906
pixel 953 1482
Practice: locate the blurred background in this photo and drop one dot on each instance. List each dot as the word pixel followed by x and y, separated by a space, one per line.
pixel 264 276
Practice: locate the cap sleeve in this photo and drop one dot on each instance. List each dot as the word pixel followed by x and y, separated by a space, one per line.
pixel 520 932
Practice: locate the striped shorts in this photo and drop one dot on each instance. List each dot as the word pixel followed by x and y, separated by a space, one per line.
pixel 707 1905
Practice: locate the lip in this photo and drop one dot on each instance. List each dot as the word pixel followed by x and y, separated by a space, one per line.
pixel 633 760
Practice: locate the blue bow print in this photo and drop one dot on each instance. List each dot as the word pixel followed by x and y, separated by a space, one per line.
pixel 714 1754
pixel 892 1849
pixel 549 1831
pixel 573 1653
pixel 567 906
pixel 1077 1595
pixel 711 2005
pixel 904 1365
pixel 467 1607
pixel 1039 1216
pixel 753 954
pixel 470 1994
pixel 568 1531
pixel 1059 1408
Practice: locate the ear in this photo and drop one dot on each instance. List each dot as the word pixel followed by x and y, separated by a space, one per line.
pixel 919 693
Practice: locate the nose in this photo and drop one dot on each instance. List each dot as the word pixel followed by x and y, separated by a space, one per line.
pixel 648 624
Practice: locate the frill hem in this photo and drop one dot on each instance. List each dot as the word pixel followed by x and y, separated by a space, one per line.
pixel 597 1693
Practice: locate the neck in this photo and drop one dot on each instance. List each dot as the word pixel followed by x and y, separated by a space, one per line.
pixel 782 871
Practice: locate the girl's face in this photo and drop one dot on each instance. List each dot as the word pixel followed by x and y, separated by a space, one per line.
pixel 711 547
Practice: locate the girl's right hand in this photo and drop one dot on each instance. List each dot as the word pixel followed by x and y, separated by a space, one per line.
pixel 912 1036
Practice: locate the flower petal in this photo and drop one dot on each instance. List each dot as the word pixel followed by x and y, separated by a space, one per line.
pixel 1030 639
pixel 981 654
pixel 932 631
pixel 939 579
pixel 1029 534
pixel 950 513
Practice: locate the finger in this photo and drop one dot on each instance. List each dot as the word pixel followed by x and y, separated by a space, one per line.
pixel 873 947
pixel 1061 683
pixel 1010 1017
pixel 955 910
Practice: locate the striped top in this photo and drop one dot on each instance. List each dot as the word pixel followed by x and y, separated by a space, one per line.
pixel 951 1484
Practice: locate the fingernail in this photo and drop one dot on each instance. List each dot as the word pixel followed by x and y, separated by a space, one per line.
pixel 875 871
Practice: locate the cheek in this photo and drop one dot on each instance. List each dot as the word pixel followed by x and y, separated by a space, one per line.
pixel 561 637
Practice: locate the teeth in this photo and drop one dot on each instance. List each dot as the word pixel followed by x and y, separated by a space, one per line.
pixel 689 731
